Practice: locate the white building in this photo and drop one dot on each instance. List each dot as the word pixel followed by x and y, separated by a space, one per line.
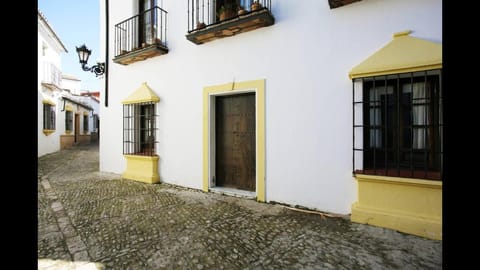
pixel 93 100
pixel 73 86
pixel 63 115
pixel 50 48
pixel 260 104
pixel 71 83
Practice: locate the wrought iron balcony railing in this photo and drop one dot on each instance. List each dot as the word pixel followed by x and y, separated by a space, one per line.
pixel 141 36
pixel 212 19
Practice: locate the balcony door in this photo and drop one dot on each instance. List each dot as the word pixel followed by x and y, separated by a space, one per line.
pixel 146 22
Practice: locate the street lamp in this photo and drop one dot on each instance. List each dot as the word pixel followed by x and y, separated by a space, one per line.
pixel 83 54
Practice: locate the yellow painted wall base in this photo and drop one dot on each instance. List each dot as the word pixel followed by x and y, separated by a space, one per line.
pixel 66 141
pixel 412 206
pixel 83 139
pixel 142 168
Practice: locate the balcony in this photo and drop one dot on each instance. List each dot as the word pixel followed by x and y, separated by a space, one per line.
pixel 141 37
pixel 209 20
pixel 51 75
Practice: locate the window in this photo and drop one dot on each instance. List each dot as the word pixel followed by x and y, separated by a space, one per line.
pixel 139 129
pixel 48 117
pixel 95 122
pixel 44 49
pixel 85 123
pixel 401 131
pixel 68 120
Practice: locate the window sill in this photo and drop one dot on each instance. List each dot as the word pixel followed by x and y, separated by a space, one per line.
pixel 48 131
pixel 68 132
pixel 402 173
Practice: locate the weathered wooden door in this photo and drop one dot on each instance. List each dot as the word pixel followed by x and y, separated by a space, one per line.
pixel 235 141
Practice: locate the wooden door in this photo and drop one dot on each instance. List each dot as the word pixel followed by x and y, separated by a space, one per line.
pixel 235 141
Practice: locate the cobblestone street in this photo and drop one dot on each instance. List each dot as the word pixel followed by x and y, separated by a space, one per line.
pixel 93 220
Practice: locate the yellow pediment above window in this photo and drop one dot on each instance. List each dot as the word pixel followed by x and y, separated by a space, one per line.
pixel 403 54
pixel 143 94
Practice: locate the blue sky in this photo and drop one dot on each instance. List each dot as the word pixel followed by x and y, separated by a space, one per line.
pixel 76 22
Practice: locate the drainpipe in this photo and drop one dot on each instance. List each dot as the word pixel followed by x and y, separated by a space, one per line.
pixel 106 53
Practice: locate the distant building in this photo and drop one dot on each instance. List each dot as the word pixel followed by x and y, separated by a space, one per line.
pixel 71 84
pixel 93 100
pixel 50 48
pixel 64 117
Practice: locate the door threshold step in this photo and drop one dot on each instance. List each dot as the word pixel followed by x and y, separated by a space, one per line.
pixel 234 192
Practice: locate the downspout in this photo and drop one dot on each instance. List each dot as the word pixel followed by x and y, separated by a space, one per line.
pixel 106 53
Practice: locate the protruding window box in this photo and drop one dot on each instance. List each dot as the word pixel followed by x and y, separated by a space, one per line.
pixel 398 137
pixel 139 135
pixel 249 19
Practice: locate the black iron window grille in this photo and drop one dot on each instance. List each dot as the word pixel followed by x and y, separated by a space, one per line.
pixel 68 120
pixel 139 129
pixel 85 123
pixel 203 13
pixel 48 117
pixel 398 125
pixel 148 28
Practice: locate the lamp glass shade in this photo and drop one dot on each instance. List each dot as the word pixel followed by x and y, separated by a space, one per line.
pixel 83 54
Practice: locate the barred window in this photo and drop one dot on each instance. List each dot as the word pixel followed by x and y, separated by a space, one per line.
pixel 95 122
pixel 397 129
pixel 68 120
pixel 85 123
pixel 139 129
pixel 48 117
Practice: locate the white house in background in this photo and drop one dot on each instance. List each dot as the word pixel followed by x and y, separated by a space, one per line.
pixel 92 98
pixel 75 118
pixel 333 105
pixel 63 117
pixel 50 48
pixel 71 84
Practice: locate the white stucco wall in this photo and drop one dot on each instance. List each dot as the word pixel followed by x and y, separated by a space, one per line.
pixel 72 83
pixel 51 143
pixel 95 105
pixel 304 57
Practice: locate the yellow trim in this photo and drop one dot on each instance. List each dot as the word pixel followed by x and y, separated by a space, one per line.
pixel 408 205
pixel 142 168
pixel 400 180
pixel 68 108
pixel 85 113
pixel 402 33
pixel 259 87
pixel 49 102
pixel 143 94
pixel 48 131
pixel 403 54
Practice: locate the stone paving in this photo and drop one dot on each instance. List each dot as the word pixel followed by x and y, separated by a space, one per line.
pixel 93 220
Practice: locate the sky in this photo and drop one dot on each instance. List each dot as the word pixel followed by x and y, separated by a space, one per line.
pixel 76 22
